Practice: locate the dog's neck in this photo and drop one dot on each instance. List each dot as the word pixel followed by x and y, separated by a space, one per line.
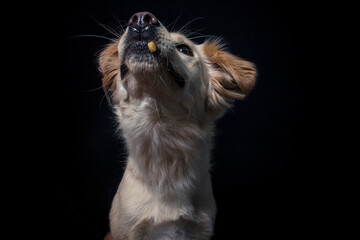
pixel 163 149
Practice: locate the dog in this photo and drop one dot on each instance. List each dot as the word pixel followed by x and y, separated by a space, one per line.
pixel 167 93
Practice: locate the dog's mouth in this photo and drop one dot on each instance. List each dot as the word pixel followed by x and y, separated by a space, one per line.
pixel 178 78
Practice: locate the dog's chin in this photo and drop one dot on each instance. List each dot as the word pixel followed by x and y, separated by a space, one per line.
pixel 142 63
pixel 139 59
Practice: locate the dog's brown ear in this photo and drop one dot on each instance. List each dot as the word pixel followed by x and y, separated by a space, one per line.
pixel 230 76
pixel 109 66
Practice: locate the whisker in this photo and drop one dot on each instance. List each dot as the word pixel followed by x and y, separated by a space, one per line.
pixel 91 35
pixel 155 84
pixel 174 23
pixel 202 36
pixel 189 32
pixel 92 90
pixel 107 28
pixel 191 21
pixel 97 53
pixel 164 82
pixel 110 30
pixel 102 99
pixel 120 25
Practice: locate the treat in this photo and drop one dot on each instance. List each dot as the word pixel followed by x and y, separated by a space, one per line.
pixel 152 46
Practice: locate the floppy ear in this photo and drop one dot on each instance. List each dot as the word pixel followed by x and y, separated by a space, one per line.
pixel 230 76
pixel 109 66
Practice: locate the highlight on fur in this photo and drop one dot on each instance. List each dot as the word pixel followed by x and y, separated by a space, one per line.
pixel 231 77
pixel 166 102
pixel 108 66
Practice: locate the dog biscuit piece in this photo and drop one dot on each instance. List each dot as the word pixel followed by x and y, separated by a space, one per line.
pixel 152 46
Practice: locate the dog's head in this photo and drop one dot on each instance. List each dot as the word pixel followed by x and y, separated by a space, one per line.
pixel 172 75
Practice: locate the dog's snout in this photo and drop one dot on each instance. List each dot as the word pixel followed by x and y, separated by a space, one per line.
pixel 143 29
pixel 142 21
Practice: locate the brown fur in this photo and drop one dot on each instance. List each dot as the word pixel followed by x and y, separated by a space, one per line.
pixel 231 77
pixel 109 65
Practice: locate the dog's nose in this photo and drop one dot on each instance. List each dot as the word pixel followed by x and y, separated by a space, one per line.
pixel 142 21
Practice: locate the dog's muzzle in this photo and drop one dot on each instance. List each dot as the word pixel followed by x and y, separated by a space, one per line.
pixel 143 28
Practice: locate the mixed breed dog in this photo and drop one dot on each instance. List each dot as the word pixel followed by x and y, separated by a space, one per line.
pixel 167 93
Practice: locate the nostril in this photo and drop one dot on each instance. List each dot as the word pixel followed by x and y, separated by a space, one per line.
pixel 146 18
pixel 133 20
pixel 151 19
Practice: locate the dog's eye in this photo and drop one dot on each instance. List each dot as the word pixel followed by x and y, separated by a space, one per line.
pixel 185 50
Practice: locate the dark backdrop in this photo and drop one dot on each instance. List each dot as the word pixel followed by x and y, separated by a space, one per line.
pixel 257 158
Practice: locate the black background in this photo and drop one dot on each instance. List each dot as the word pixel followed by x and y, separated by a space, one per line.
pixel 259 146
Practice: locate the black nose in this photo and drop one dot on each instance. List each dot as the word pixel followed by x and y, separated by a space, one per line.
pixel 142 21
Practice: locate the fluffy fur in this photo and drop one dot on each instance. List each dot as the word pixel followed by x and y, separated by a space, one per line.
pixel 166 192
